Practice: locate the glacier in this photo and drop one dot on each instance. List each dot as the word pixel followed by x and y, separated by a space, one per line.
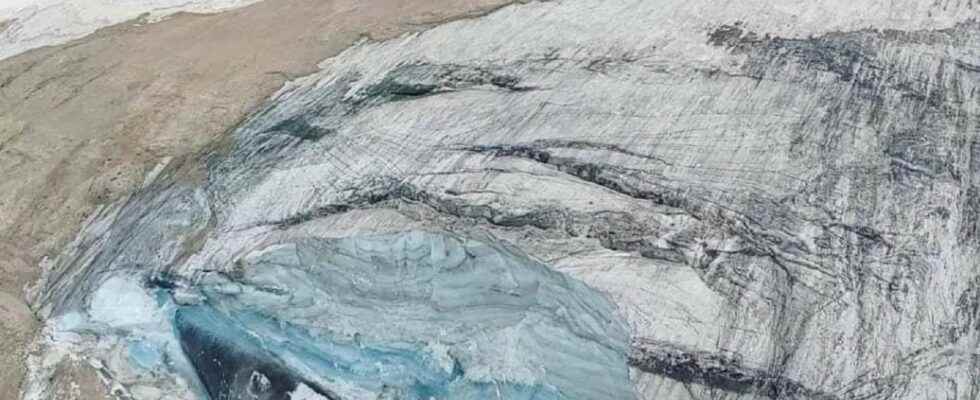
pixel 562 199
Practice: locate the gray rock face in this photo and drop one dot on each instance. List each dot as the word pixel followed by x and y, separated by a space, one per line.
pixel 772 215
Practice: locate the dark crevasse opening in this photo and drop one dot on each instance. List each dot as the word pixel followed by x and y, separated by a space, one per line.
pixel 230 364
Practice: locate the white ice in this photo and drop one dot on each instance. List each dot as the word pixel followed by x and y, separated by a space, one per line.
pixel 37 23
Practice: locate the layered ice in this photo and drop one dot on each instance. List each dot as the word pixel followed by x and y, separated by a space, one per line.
pixel 414 315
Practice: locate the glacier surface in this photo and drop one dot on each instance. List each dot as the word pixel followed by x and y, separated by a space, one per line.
pixel 777 206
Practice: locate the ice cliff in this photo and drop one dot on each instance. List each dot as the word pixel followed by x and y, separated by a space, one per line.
pixel 409 316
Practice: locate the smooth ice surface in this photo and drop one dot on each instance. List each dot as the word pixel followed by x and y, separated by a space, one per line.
pixel 304 392
pixel 122 302
pixel 145 354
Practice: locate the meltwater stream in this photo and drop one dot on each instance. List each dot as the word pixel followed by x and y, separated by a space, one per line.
pixel 413 315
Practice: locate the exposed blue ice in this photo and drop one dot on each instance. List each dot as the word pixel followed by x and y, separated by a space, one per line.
pixel 408 316
pixel 145 354
pixel 418 316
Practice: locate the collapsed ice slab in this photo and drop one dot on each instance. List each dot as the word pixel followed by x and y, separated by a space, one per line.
pixel 408 316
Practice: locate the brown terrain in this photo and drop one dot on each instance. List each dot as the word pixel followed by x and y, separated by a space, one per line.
pixel 81 123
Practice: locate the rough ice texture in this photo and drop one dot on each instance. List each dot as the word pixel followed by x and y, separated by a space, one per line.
pixel 421 315
pixel 410 316
pixel 777 209
pixel 28 24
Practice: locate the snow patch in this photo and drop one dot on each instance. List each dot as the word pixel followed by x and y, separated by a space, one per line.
pixel 304 392
pixel 37 23
pixel 120 302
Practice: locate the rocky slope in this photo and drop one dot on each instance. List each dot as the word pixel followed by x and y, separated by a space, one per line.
pixel 764 203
